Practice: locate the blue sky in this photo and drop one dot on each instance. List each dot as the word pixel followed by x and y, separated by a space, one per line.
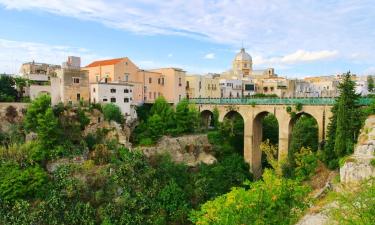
pixel 297 38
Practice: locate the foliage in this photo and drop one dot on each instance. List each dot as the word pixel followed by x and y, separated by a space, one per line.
pixel 356 207
pixel 261 95
pixel 16 182
pixel 270 129
pixel 163 120
pixel 298 106
pixel 186 117
pixel 273 200
pixel 38 107
pixel 113 112
pixel 8 93
pixel 370 84
pixel 215 117
pixel 305 163
pixel 344 124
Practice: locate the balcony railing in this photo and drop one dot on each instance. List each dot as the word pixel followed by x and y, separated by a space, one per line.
pixel 272 101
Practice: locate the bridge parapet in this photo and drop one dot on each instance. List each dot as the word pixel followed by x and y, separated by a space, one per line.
pixel 272 101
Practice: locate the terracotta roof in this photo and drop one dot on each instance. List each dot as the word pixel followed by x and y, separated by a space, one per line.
pixel 105 62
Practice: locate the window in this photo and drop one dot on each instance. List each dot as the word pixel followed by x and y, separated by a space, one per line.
pixel 208 87
pixel 75 80
pixel 126 77
pixel 113 90
pixel 78 96
pixel 162 81
pixel 238 95
pixel 187 84
pixel 126 100
pixel 104 99
pixel 158 80
pixel 93 90
pixel 179 82
pixel 200 85
pixel 126 90
pixel 113 99
pixel 271 88
pixel 131 99
pixel 131 90
pixel 154 95
pixel 149 80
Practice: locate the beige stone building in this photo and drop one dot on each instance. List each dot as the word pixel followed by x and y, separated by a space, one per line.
pixel 39 75
pixel 202 87
pixel 71 83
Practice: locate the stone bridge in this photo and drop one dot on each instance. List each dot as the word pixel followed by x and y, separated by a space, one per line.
pixel 254 110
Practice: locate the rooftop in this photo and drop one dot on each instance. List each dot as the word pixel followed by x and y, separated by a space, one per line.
pixel 106 62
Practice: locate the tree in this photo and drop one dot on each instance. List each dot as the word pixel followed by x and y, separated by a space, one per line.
pixel 304 134
pixel 165 111
pixel 186 116
pixel 370 84
pixel 272 200
pixel 48 130
pixel 8 92
pixel 215 117
pixel 155 127
pixel 270 129
pixel 344 124
pixel 113 112
pixel 20 84
pixel 38 107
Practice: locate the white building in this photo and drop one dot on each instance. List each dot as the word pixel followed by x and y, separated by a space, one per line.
pixel 230 88
pixel 120 94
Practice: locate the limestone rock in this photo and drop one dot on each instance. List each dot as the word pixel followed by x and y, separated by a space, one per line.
pixel 358 167
pixel 188 149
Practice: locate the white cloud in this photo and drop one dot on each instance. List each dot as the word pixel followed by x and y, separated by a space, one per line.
pixel 209 56
pixel 299 56
pixel 272 25
pixel 14 53
pixel 170 55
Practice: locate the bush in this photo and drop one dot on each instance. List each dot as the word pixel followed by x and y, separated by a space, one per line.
pixel 146 142
pixel 17 183
pixel 113 112
pixel 306 163
pixel 273 200
pixel 356 206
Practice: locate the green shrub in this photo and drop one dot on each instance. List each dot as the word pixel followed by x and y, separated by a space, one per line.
pixel 298 106
pixel 113 113
pixel 146 142
pixel 273 200
pixel 356 206
pixel 17 183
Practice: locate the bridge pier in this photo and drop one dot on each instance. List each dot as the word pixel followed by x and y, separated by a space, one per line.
pixel 252 116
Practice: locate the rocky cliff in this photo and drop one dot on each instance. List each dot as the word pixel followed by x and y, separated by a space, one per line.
pixel 189 149
pixel 358 166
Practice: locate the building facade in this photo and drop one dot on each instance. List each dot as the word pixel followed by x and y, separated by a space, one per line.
pixel 120 94
pixel 148 85
pixel 71 83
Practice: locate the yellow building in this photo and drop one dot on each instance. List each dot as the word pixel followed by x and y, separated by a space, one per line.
pixel 202 87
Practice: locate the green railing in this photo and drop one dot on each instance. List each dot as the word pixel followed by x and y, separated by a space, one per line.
pixel 271 101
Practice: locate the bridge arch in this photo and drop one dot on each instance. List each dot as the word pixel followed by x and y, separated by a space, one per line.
pixel 258 159
pixel 313 125
pixel 207 118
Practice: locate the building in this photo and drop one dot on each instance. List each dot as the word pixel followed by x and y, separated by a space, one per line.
pixel 120 94
pixel 39 75
pixel 148 85
pixel 71 83
pixel 230 88
pixel 202 86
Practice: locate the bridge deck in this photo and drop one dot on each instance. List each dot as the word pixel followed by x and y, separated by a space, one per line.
pixel 272 101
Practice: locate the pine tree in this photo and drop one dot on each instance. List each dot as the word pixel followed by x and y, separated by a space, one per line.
pixel 344 125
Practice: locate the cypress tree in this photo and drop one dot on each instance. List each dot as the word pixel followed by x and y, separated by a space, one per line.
pixel 344 125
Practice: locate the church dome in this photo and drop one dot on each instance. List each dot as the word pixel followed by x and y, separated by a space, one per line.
pixel 243 56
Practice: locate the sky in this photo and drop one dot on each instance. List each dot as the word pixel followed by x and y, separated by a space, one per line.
pixel 297 38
